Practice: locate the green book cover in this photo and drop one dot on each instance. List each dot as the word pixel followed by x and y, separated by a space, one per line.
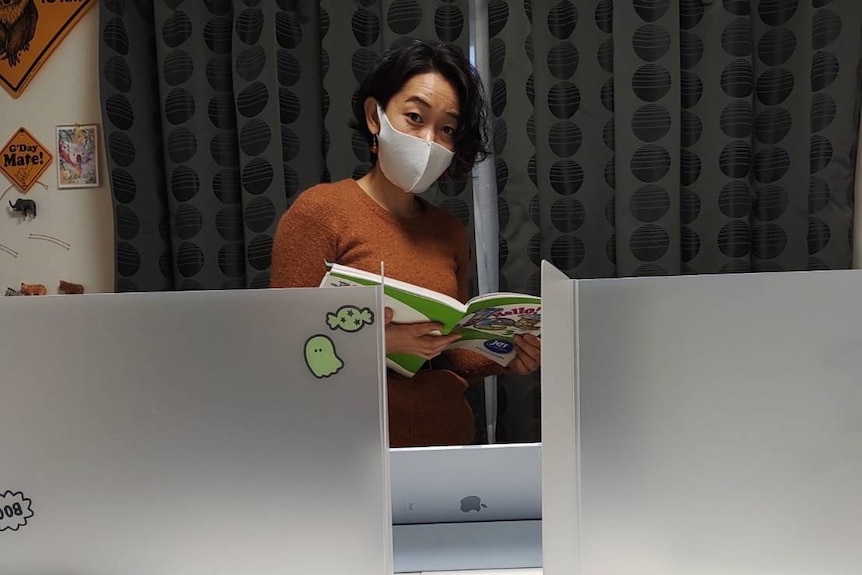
pixel 488 323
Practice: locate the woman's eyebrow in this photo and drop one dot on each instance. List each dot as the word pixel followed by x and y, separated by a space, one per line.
pixel 423 102
pixel 419 100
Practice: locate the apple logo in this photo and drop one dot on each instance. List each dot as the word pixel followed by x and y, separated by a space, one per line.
pixel 472 503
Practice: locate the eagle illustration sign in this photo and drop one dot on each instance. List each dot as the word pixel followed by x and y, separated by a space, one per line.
pixel 30 30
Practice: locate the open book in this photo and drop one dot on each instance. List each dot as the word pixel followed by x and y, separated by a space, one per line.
pixel 487 323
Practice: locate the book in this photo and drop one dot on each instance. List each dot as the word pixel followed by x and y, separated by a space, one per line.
pixel 488 323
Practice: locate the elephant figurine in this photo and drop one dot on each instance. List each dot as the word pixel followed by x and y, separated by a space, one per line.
pixel 25 207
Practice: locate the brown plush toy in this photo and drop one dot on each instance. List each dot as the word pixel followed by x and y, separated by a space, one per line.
pixel 33 289
pixel 70 288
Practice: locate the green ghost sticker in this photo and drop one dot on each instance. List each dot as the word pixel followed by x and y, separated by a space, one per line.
pixel 350 318
pixel 321 357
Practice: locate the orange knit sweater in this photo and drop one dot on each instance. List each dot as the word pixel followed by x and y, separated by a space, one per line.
pixel 340 223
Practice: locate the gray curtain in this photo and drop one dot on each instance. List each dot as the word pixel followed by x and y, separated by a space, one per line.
pixel 642 137
pixel 217 113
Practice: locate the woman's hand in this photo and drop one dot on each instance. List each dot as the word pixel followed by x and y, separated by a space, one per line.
pixel 528 354
pixel 415 338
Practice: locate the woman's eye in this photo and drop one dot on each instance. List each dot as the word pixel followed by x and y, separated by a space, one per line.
pixel 449 130
pixel 414 117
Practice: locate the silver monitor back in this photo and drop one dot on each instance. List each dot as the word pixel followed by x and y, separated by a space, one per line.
pixel 461 484
pixel 157 434
pixel 467 507
pixel 717 425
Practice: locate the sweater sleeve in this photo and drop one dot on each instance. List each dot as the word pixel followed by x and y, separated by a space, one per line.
pixel 304 241
pixel 470 365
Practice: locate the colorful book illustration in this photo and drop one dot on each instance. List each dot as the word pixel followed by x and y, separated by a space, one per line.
pixel 487 323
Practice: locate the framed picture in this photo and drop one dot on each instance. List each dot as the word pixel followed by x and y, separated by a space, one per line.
pixel 77 156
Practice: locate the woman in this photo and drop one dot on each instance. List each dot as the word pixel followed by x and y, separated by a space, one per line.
pixel 422 111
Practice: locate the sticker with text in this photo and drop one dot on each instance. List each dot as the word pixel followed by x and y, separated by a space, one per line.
pixel 24 159
pixel 15 510
pixel 350 318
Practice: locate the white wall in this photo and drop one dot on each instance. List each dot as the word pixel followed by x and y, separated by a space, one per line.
pixel 64 91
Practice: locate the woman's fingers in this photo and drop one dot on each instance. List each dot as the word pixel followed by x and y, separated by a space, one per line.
pixel 423 329
pixel 517 366
pixel 529 346
pixel 418 339
pixel 528 354
pixel 433 345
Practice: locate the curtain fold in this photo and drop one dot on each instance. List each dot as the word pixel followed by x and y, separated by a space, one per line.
pixel 131 115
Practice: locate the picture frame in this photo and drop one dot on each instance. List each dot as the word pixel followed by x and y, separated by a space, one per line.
pixel 77 156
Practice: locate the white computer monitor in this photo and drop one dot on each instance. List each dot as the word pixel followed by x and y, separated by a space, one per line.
pixel 196 433
pixel 466 507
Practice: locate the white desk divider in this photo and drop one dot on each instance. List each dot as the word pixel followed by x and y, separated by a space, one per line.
pixel 702 424
pixel 239 431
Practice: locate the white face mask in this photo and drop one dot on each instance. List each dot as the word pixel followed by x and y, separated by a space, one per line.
pixel 411 163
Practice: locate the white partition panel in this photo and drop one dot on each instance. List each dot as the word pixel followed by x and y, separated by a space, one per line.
pixel 199 433
pixel 560 478
pixel 718 425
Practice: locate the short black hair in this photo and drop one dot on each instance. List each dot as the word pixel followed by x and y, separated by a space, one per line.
pixel 411 57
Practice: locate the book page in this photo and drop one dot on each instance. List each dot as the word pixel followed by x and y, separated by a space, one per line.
pixel 491 329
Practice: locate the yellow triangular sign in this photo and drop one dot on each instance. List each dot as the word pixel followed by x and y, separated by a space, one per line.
pixel 30 30
pixel 23 160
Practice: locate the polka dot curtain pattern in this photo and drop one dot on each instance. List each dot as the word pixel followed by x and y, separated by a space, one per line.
pixel 659 137
pixel 218 113
pixel 641 137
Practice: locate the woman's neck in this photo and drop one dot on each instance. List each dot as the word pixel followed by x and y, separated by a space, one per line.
pixel 396 201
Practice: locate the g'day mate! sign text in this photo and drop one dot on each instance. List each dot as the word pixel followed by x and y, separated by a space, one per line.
pixel 23 159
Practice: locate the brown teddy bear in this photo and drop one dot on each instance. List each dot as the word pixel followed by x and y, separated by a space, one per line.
pixel 70 288
pixel 33 289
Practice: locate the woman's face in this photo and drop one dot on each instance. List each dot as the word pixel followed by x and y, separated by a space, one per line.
pixel 426 107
